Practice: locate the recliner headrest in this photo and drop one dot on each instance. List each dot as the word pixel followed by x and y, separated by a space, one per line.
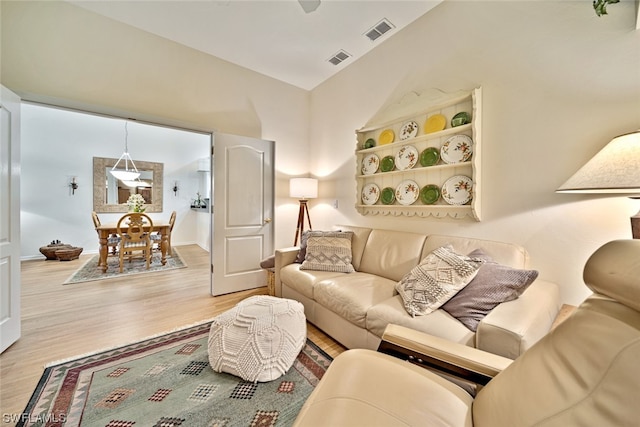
pixel 614 271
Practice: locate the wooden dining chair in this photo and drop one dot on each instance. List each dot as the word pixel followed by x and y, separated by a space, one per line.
pixel 113 241
pixel 134 230
pixel 157 238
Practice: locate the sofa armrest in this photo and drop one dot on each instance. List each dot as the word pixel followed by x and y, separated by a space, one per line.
pixel 283 257
pixel 513 327
pixel 448 357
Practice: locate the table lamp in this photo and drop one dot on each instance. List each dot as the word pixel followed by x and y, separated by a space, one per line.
pixel 303 189
pixel 613 170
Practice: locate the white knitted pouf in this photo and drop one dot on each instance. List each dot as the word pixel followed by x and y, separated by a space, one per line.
pixel 258 339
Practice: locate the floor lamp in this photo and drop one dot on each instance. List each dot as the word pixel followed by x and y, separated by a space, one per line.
pixel 613 170
pixel 303 189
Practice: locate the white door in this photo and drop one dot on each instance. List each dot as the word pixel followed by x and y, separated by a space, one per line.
pixel 9 218
pixel 243 185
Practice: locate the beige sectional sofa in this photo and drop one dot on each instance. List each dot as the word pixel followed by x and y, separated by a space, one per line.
pixel 355 308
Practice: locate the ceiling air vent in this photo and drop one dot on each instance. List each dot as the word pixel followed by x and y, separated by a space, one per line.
pixel 379 29
pixel 339 57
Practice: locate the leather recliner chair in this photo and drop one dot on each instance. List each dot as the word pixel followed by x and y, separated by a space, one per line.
pixel 585 372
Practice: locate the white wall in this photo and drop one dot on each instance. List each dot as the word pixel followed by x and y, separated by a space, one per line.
pixel 558 83
pixel 59 144
pixel 58 53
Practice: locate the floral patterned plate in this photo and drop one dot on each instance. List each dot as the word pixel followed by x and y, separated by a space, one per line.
pixel 370 164
pixel 370 194
pixel 457 190
pixel 407 192
pixel 406 158
pixel 457 149
pixel 408 130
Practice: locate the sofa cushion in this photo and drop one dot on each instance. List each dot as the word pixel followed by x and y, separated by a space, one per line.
pixel 438 277
pixel 493 284
pixel 367 388
pixel 391 254
pixel 438 323
pixel 328 251
pixel 351 296
pixel 504 253
pixel 303 281
pixel 358 242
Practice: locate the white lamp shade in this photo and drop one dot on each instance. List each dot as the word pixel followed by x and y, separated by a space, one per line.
pixel 613 170
pixel 303 188
pixel 125 175
pixel 136 183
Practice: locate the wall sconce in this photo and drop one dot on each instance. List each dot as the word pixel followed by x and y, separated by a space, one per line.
pixel 74 185
pixel 175 188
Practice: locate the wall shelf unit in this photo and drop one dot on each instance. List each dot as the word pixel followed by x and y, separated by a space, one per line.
pixel 391 176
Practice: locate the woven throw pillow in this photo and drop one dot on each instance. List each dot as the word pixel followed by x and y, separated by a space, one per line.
pixel 302 253
pixel 438 277
pixel 329 251
pixel 493 284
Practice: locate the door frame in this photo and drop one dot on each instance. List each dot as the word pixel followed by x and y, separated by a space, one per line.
pixel 10 320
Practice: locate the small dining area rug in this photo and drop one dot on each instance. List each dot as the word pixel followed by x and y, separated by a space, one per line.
pixel 167 381
pixel 90 271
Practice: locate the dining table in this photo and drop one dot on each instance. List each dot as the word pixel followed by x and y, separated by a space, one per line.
pixel 106 230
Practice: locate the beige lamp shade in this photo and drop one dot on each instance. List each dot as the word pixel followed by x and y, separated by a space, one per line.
pixel 303 188
pixel 613 170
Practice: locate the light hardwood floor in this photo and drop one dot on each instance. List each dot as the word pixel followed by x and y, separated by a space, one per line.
pixel 62 321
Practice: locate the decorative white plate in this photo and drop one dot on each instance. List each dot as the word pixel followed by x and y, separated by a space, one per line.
pixel 406 158
pixel 407 192
pixel 370 194
pixel 370 164
pixel 408 130
pixel 457 190
pixel 457 149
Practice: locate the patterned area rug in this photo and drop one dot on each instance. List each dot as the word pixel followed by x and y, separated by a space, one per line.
pixel 167 381
pixel 90 271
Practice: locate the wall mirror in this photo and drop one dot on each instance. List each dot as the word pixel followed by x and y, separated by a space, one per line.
pixel 110 195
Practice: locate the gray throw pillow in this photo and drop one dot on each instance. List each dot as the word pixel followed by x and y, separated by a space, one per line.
pixel 302 253
pixel 493 284
pixel 329 251
pixel 438 277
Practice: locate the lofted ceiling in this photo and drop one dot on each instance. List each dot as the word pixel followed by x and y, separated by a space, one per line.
pixel 276 38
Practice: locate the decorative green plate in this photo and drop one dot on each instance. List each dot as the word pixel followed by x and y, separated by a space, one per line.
pixel 429 156
pixel 429 194
pixel 370 143
pixel 388 196
pixel 460 119
pixel 387 164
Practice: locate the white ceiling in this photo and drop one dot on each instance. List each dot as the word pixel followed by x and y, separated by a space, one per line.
pixel 273 37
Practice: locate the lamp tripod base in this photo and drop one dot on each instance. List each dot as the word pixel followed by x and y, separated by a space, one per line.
pixel 304 211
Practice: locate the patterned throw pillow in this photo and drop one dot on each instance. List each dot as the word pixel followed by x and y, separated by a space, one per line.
pixel 494 284
pixel 328 251
pixel 438 277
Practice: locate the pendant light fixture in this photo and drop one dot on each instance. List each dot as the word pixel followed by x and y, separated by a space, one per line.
pixel 126 174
